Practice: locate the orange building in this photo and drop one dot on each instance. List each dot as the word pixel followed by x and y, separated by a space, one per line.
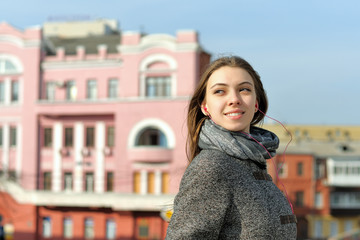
pixel 320 174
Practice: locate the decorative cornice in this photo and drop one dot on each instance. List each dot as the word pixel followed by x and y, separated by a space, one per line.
pixel 159 41
pixel 81 64
pixel 116 201
pixel 19 41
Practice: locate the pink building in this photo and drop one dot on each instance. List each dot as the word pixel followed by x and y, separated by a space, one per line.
pixel 92 128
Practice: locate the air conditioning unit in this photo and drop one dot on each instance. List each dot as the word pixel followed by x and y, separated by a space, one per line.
pixel 107 151
pixel 60 84
pixel 85 152
pixel 64 152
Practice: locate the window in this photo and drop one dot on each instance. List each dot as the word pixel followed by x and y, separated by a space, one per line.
pixel 334 228
pixel 346 169
pixel 137 182
pixel 319 169
pixel 68 227
pixel 151 182
pixel 47 137
pixel 110 136
pixel 300 169
pixel 12 175
pixel 14 91
pixel 299 199
pixel 90 137
pixel 91 89
pixel 318 229
pixel 282 169
pixel 71 91
pixel 318 200
pixel 68 181
pixel 1 136
pixel 110 229
pixel 165 183
pixel 50 91
pixel 2 92
pixel 158 86
pixel 8 65
pixel 89 182
pixel 47 181
pixel 89 228
pixel 151 137
pixel 12 136
pixel 348 226
pixel 113 88
pixel 109 181
pixel 143 229
pixel 69 136
pixel 46 227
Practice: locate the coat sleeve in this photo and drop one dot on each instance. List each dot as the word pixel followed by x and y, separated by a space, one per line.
pixel 201 204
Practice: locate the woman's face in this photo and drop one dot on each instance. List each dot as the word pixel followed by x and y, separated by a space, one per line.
pixel 230 99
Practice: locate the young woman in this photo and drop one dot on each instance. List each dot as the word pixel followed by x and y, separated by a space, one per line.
pixel 226 192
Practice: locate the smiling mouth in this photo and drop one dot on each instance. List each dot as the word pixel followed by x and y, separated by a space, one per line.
pixel 234 114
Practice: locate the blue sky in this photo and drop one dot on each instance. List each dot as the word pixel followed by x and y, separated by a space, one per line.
pixel 307 52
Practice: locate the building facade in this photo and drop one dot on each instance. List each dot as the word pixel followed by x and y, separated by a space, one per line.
pixel 92 128
pixel 320 174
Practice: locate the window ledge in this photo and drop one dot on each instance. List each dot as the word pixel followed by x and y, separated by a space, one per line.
pixel 150 154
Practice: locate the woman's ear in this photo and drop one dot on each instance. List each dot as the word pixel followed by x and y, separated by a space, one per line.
pixel 256 106
pixel 204 109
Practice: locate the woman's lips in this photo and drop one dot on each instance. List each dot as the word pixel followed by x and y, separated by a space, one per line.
pixel 234 114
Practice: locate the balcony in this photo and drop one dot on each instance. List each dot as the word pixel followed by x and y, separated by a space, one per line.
pixel 345 203
pixel 343 172
pixel 117 201
pixel 150 154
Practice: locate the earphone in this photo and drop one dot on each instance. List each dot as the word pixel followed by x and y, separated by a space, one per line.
pixel 205 110
pixel 272 160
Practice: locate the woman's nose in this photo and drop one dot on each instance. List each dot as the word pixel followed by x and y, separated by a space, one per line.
pixel 235 99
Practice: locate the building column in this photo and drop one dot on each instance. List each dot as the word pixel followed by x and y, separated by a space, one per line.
pixel 7 91
pixel 143 182
pixel 21 90
pixel 99 149
pixel 158 182
pixel 57 145
pixel 78 146
pixel 5 149
pixel 18 163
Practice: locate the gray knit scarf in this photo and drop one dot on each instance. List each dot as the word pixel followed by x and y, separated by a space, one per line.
pixel 239 144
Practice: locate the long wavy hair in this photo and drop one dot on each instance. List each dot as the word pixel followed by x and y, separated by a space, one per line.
pixel 195 117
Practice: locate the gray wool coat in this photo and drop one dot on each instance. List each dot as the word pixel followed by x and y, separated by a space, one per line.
pixel 224 197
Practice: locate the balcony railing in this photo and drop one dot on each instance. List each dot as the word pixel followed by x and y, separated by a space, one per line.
pixel 343 172
pixel 345 200
pixel 150 154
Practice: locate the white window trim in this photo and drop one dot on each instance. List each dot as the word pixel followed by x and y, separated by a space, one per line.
pixel 15 60
pixel 158 58
pixel 152 122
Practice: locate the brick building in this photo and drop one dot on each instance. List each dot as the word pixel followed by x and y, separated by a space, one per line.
pixel 321 174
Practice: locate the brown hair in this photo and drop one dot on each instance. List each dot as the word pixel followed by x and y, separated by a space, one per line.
pixel 196 118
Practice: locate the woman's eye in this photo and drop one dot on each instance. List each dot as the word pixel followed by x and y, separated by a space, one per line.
pixel 219 91
pixel 245 90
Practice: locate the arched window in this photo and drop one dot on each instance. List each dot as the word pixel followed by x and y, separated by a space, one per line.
pixel 9 64
pixel 151 137
pixel 158 78
pixel 151 132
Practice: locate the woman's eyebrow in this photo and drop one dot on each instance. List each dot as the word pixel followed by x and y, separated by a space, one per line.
pixel 218 84
pixel 224 84
pixel 245 83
